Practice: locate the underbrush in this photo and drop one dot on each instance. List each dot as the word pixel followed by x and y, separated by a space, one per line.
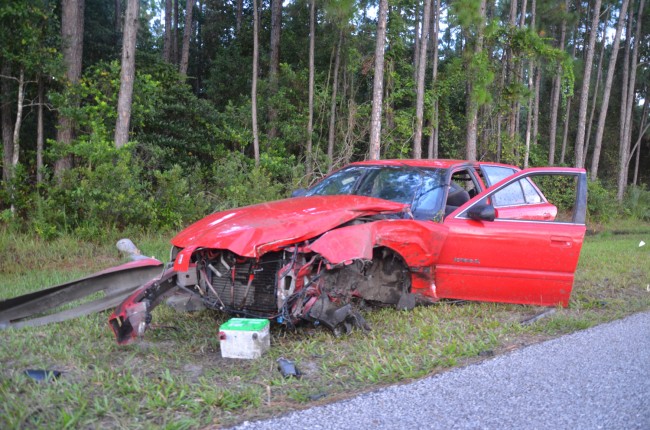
pixel 119 194
pixel 175 376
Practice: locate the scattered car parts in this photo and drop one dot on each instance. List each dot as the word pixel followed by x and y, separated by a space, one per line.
pixel 39 308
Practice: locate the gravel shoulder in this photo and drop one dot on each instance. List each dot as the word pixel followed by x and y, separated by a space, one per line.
pixel 596 378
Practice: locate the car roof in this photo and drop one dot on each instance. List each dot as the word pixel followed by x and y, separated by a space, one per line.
pixel 438 163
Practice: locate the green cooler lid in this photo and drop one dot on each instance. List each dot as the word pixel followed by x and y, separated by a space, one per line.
pixel 245 324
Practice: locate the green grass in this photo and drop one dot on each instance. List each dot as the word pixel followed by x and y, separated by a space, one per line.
pixel 176 378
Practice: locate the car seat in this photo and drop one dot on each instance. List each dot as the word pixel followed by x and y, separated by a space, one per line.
pixel 456 197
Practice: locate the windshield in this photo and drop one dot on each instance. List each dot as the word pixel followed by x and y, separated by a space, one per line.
pixel 403 184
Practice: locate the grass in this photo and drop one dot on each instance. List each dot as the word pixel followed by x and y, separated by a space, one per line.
pixel 176 378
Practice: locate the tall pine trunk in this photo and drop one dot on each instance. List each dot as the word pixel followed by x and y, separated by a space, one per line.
pixel 256 139
pixel 332 125
pixel 238 18
pixel 555 95
pixel 310 120
pixel 422 64
pixel 187 31
pixel 274 64
pixel 594 101
pixel 127 74
pixel 433 137
pixel 584 93
pixel 5 113
pixel 72 32
pixel 472 103
pixel 624 152
pixel 20 103
pixel 167 40
pixel 600 129
pixel 378 83
pixel 39 130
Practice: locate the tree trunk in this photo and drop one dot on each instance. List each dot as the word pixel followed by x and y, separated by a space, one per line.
pixel 417 40
pixel 332 125
pixel 642 129
pixel 538 84
pixel 625 143
pixel 274 64
pixel 529 116
pixel 198 81
pixel 555 96
pixel 531 100
pixel 238 19
pixel 174 48
pixel 256 139
pixel 185 54
pixel 310 122
pixel 19 120
pixel 117 24
pixel 584 93
pixel 378 83
pixel 567 116
pixel 39 131
pixel 7 123
pixel 167 40
pixel 607 91
pixel 422 64
pixel 472 103
pixel 599 77
pixel 127 74
pixel 72 32
pixel 433 138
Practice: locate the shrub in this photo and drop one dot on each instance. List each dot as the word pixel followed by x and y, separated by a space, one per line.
pixel 601 202
pixel 636 204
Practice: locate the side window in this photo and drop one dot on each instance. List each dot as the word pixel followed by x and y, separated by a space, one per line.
pixel 531 194
pixel 465 180
pixel 494 174
pixel 511 195
pixel 540 196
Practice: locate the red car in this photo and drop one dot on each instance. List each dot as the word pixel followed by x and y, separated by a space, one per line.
pixel 391 232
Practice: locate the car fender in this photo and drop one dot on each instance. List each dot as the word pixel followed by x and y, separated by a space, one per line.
pixel 418 243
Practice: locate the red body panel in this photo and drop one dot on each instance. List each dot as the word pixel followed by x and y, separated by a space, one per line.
pixel 538 211
pixel 254 230
pixel 418 242
pixel 509 261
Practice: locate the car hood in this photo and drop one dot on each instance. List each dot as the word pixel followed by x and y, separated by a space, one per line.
pixel 254 230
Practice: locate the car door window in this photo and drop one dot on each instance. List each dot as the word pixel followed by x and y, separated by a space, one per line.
pixel 511 195
pixel 542 196
pixel 530 193
pixel 341 182
pixel 494 174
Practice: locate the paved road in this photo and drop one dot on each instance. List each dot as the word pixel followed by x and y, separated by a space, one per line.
pixel 597 378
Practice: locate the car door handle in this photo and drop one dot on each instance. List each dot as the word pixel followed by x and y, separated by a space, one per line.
pixel 561 241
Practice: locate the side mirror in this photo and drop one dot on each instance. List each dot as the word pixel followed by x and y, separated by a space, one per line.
pixel 299 192
pixel 482 212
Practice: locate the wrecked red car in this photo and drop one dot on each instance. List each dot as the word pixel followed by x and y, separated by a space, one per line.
pixel 391 232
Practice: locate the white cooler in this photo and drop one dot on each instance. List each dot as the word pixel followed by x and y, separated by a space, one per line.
pixel 244 338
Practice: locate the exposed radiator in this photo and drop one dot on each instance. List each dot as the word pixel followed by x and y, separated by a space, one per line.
pixel 262 293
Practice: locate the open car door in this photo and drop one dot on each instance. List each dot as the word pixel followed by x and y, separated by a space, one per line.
pixel 496 256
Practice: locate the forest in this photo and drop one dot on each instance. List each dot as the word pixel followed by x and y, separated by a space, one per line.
pixel 148 114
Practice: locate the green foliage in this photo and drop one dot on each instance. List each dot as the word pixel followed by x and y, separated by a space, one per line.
pixel 601 202
pixel 28 30
pixel 92 105
pixel 636 204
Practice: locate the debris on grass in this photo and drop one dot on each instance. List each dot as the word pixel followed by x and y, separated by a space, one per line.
pixel 533 319
pixel 288 368
pixel 42 375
